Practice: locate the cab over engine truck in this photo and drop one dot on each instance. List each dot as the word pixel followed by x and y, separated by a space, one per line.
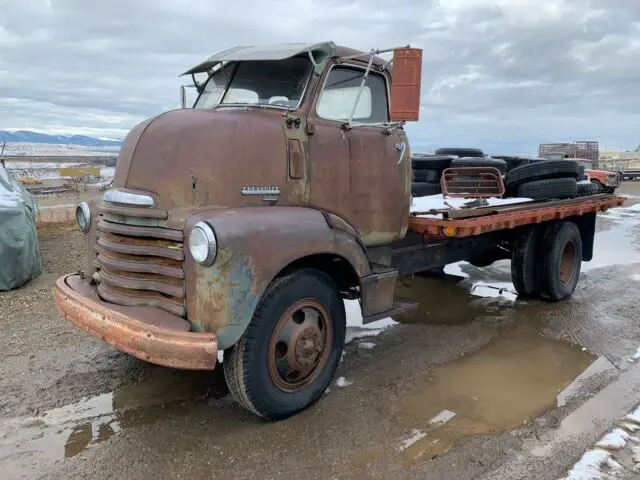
pixel 241 224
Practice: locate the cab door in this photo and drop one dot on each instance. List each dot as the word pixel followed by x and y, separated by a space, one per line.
pixel 359 173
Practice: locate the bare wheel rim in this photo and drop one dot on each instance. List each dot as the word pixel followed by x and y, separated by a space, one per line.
pixel 300 345
pixel 567 263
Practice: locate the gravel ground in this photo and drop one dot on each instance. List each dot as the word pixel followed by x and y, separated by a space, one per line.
pixel 71 406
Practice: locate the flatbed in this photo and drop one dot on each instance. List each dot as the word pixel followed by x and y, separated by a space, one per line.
pixel 460 223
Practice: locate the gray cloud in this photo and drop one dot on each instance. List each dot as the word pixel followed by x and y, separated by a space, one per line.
pixel 500 74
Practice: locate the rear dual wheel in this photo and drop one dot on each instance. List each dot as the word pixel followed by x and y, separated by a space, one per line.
pixel 546 261
pixel 290 351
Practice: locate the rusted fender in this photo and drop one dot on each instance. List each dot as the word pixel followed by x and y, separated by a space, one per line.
pixel 254 245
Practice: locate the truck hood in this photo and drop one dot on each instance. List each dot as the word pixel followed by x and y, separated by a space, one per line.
pixel 204 157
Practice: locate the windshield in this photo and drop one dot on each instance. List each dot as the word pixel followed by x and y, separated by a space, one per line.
pixel 274 82
pixel 214 88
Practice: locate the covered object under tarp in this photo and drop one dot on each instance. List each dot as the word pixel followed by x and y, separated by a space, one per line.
pixel 19 249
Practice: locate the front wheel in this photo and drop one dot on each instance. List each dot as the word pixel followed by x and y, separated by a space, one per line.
pixel 291 349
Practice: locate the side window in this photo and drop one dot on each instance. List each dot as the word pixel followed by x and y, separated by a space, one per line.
pixel 340 93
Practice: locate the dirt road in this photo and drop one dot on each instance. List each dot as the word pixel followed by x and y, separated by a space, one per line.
pixel 459 389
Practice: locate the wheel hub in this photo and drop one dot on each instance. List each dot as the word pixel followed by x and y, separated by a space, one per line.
pixel 300 345
pixel 308 347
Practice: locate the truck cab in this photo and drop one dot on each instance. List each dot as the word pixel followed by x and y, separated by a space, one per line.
pixel 242 223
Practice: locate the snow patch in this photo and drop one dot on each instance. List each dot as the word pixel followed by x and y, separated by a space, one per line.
pixel 636 277
pixel 366 345
pixel 439 202
pixel 356 329
pixel 343 382
pixel 634 416
pixel 443 417
pixel 494 290
pixel 636 356
pixel 455 270
pixel 593 465
pixel 412 438
pixel 614 440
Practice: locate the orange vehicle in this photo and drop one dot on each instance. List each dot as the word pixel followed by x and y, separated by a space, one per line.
pixel 242 224
pixel 603 180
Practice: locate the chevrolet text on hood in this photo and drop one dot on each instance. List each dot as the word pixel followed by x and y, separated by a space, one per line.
pixel 242 224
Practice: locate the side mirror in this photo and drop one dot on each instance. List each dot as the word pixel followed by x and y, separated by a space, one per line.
pixel 406 78
pixel 183 97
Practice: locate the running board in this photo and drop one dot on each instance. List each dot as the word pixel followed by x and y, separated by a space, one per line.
pixel 399 306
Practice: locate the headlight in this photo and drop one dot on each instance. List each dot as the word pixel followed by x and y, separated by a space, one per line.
pixel 202 243
pixel 83 216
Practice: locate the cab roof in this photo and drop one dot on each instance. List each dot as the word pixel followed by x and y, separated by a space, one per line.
pixel 321 51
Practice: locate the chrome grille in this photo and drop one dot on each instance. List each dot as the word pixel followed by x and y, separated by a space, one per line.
pixel 140 264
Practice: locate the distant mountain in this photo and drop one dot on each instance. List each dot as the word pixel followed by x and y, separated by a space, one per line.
pixel 25 136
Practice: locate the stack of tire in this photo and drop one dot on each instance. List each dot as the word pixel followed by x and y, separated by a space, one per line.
pixel 546 180
pixel 427 169
pixel 524 177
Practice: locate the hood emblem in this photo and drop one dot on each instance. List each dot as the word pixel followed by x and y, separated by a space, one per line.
pixel 270 194
pixel 260 190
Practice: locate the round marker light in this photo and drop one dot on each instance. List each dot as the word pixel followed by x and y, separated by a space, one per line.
pixel 449 231
pixel 83 216
pixel 202 244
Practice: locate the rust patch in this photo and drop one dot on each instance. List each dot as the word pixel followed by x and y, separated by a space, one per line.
pixel 146 333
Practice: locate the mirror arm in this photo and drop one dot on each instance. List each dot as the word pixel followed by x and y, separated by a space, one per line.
pixel 364 79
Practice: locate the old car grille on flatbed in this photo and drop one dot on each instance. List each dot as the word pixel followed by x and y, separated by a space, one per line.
pixel 140 265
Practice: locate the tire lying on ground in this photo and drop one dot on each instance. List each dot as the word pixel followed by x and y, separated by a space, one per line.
pixel 480 162
pixel 546 169
pixel 561 255
pixel 430 162
pixel 460 152
pixel 587 188
pixel 422 189
pixel 548 189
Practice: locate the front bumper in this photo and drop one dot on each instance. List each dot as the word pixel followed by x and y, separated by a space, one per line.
pixel 147 333
pixel 613 181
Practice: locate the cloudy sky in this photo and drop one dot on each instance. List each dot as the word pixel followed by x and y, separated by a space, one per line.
pixel 503 75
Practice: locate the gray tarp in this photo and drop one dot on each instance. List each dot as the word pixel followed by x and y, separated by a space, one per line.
pixel 19 249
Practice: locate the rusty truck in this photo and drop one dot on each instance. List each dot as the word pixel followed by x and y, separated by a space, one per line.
pixel 242 223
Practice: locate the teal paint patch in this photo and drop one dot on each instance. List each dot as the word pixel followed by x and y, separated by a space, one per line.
pixel 241 292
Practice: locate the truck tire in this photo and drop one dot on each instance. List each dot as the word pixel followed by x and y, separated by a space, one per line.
pixel 288 355
pixel 460 152
pixel 427 175
pixel 480 162
pixel 561 251
pixel 548 189
pixel 421 161
pixel 599 187
pixel 513 162
pixel 524 265
pixel 587 188
pixel 542 170
pixel 422 189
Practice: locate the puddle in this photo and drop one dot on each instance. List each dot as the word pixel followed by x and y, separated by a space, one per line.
pixel 514 379
pixel 30 443
pixel 619 244
pixel 453 299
